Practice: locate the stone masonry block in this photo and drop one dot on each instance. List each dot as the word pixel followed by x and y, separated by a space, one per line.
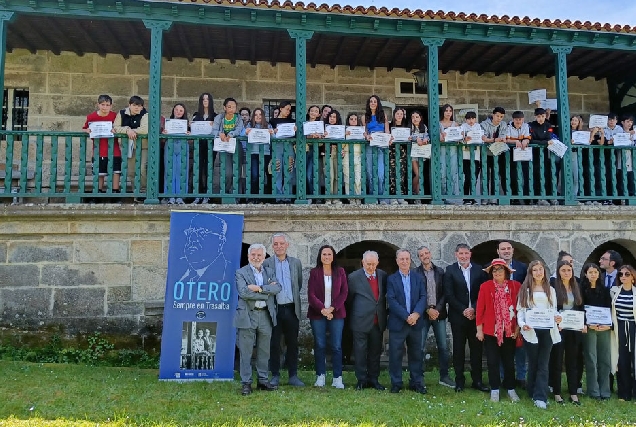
pixel 101 251
pixel 73 105
pixel 24 252
pixel 223 69
pixel 86 275
pixel 36 82
pixel 382 77
pixel 106 227
pixel 359 75
pixel 138 65
pixel 19 304
pixel 220 89
pixel 146 252
pixel 23 60
pixel 68 62
pixel 266 71
pixel 111 64
pixel 118 293
pixel 587 86
pixel 19 275
pixel 321 74
pixel 3 252
pixel 181 67
pixel 149 283
pixel 140 87
pixel 125 309
pixel 88 84
pixel 78 302
pixel 60 83
pixel 256 90
pixel 347 94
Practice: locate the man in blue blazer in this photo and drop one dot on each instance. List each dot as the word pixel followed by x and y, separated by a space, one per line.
pixel 406 297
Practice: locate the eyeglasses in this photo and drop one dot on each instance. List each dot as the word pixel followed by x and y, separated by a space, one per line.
pixel 624 274
pixel 604 258
pixel 498 269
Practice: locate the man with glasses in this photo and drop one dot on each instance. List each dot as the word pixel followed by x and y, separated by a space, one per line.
pixel 610 262
pixel 203 249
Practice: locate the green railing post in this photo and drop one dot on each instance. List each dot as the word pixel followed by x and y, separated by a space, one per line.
pixel 5 18
pixel 154 106
pixel 561 77
pixel 433 45
pixel 301 37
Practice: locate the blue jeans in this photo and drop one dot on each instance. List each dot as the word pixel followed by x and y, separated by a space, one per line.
pixel 281 156
pixel 439 329
pixel 319 328
pixel 379 153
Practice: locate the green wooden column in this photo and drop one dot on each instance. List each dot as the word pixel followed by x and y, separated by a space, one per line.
pixel 154 106
pixel 301 37
pixel 5 18
pixel 433 45
pixel 561 77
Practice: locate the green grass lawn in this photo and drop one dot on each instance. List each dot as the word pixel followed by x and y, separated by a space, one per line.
pixel 76 395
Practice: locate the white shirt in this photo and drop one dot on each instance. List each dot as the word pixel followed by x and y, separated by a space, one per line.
pixel 466 273
pixel 327 291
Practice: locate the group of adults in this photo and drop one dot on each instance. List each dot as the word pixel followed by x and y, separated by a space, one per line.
pixel 488 308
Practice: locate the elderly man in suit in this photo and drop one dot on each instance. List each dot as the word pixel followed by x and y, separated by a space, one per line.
pixel 367 314
pixel 289 273
pixel 255 316
pixel 406 295
pixel 462 281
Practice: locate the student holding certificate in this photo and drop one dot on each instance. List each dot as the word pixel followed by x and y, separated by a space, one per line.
pixel 225 127
pixel 450 179
pixel 258 170
pixel 374 120
pixel 176 161
pixel 536 293
pixel 284 156
pixel 569 297
pixel 335 183
pixel 596 343
pixel 419 136
pixel 313 114
pixel 624 333
pixel 204 113
pixel 352 120
pixel 397 158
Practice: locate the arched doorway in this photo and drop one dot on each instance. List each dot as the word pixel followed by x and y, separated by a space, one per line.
pixel 484 253
pixel 626 248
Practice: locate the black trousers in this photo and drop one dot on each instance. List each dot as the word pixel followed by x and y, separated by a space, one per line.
pixel 466 330
pixel 567 350
pixel 367 348
pixel 467 176
pixel 626 374
pixel 287 327
pixel 503 179
pixel 497 356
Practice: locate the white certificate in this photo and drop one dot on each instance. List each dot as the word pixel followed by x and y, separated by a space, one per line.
pixel 258 136
pixel 572 319
pixel 176 126
pixel 101 129
pixel 623 140
pixel 597 121
pixel 285 130
pixel 335 131
pixel 540 318
pixel 598 315
pixel 228 147
pixel 496 148
pixel 380 139
pixel 355 132
pixel 475 136
pixel 536 95
pixel 401 134
pixel 558 148
pixel 453 133
pixel 200 128
pixel 423 151
pixel 317 126
pixel 581 137
pixel 520 155
pixel 549 104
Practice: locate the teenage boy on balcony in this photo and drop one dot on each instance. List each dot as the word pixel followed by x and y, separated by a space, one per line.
pixel 541 132
pixel 133 121
pixel 518 133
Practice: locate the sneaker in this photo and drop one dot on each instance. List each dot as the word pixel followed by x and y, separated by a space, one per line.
pixel 589 203
pixel 295 381
pixel 164 201
pixel 540 404
pixel 417 202
pixel 579 390
pixel 554 202
pixel 328 201
pixel 337 383
pixel 512 394
pixel 543 203
pixel 171 201
pixel 180 201
pixel 607 203
pixel 494 395
pixel 205 201
pixel 447 382
pixel 275 381
pixel 402 202
pixel 320 381
pixel 384 202
pixel 393 202
pixel 336 202
pixel 550 389
pixel 196 201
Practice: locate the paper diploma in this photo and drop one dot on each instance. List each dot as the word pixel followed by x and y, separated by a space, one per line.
pixel 176 126
pixel 558 148
pixel 623 140
pixel 550 104
pixel 335 131
pixel 423 151
pixel 453 133
pixel 355 132
pixel 475 136
pixel 496 148
pixel 536 95
pixel 317 126
pixel 285 130
pixel 597 121
pixel 101 129
pixel 540 318
pixel 400 134
pixel 200 128
pixel 258 136
pixel 581 137
pixel 380 139
pixel 228 147
pixel 520 155
pixel 598 315
pixel 572 319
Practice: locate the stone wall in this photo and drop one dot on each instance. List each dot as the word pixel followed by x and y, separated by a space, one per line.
pixel 87 268
pixel 64 88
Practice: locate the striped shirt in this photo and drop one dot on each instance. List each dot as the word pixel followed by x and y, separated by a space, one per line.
pixel 625 306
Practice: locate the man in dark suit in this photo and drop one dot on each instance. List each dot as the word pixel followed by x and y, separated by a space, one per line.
pixel 367 314
pixel 406 296
pixel 255 315
pixel 289 273
pixel 462 281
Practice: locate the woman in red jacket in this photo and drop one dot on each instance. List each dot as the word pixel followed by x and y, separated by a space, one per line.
pixel 497 326
pixel 327 292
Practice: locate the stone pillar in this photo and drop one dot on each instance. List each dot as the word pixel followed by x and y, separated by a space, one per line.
pixel 301 37
pixel 561 77
pixel 154 106
pixel 433 45
pixel 5 18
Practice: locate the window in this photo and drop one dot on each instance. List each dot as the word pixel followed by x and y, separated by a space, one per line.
pixel 408 88
pixel 269 105
pixel 15 109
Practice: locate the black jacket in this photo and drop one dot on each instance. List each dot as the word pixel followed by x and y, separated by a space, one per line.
pixel 456 290
pixel 540 134
pixel 438 273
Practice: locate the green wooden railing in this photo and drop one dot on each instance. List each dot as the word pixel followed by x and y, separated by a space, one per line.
pixel 64 165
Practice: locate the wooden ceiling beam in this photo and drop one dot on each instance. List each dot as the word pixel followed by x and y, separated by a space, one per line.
pixel 275 48
pixel 52 24
pixel 99 48
pixel 417 58
pixel 500 65
pixel 520 66
pixel 482 60
pixel 46 40
pixel 230 45
pixel 120 44
pixel 341 44
pixel 209 45
pixel 398 53
pixel 382 51
pixel 469 54
pixel 184 43
pixel 317 50
pixel 139 38
pixel 359 54
pixel 14 31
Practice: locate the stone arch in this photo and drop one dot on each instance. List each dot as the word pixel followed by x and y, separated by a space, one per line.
pixel 484 252
pixel 625 247
pixel 350 257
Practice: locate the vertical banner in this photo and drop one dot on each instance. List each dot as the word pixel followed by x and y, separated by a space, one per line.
pixel 198 338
